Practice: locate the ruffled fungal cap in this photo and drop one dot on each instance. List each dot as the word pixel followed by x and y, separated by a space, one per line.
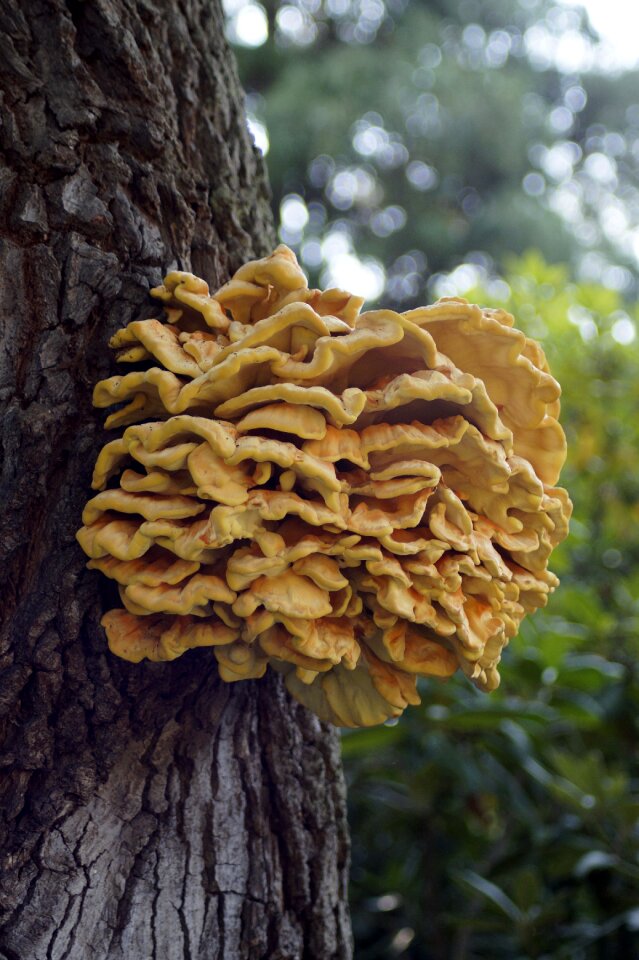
pixel 356 499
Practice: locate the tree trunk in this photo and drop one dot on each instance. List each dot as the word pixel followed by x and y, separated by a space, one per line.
pixel 145 811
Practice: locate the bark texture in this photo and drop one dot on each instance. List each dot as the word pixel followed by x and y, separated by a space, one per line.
pixel 145 811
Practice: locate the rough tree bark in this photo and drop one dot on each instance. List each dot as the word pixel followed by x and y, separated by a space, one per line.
pixel 145 811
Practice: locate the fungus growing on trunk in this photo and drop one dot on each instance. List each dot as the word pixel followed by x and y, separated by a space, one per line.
pixel 356 499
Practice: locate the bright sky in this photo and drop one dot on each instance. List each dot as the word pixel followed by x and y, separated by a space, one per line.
pixel 617 21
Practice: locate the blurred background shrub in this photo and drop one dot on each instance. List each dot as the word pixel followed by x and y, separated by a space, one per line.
pixel 420 148
pixel 506 826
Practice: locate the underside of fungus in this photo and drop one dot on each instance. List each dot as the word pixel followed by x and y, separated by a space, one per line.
pixel 355 499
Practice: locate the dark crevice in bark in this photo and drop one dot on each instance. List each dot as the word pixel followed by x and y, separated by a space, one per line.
pixel 149 810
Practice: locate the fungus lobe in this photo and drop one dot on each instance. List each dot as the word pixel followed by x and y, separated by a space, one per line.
pixel 355 499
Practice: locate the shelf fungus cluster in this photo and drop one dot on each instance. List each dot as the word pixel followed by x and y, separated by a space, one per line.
pixel 356 499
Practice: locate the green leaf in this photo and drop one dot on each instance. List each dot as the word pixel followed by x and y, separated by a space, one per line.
pixel 594 860
pixel 491 892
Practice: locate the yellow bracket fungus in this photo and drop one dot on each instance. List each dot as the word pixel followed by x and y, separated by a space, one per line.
pixel 355 499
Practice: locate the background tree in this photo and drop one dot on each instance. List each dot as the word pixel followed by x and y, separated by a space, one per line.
pixel 145 811
pixel 429 132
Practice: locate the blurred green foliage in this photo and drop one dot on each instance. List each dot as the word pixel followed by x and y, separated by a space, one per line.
pixel 441 140
pixel 506 826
